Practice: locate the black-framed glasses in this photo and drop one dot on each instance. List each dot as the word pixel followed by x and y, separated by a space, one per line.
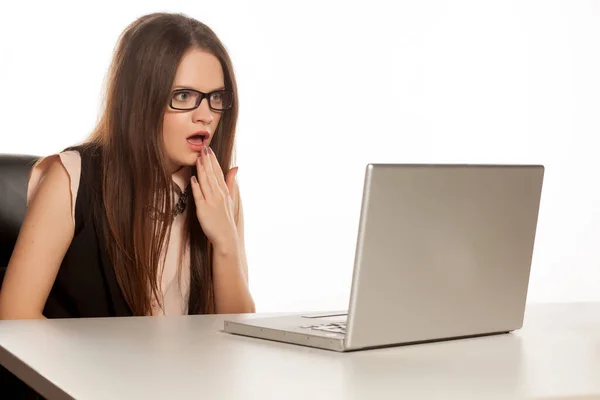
pixel 189 99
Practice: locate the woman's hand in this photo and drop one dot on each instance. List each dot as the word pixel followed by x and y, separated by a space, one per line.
pixel 214 204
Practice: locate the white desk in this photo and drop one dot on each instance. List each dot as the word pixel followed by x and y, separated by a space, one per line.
pixel 556 355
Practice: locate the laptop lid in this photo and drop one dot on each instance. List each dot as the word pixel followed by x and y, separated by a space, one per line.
pixel 443 251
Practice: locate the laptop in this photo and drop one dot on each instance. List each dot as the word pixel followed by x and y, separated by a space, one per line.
pixel 443 252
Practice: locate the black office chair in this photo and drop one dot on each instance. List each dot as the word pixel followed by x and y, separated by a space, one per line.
pixel 14 174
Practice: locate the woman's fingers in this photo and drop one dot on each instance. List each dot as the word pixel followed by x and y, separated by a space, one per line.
pixel 196 190
pixel 218 171
pixel 203 180
pixel 211 174
pixel 210 180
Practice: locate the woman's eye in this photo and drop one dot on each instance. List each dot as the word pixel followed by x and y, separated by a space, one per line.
pixel 181 96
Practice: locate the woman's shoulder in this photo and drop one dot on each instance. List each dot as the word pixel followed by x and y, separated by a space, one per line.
pixel 69 161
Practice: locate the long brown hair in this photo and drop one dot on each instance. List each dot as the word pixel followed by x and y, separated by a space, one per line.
pixel 134 180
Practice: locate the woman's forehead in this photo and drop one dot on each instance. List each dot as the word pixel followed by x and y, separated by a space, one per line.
pixel 199 70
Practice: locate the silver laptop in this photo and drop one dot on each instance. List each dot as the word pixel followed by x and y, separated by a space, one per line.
pixel 443 252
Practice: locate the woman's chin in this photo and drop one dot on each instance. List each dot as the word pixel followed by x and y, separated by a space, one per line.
pixel 190 160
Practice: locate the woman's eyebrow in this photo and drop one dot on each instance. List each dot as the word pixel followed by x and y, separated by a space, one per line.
pixel 177 87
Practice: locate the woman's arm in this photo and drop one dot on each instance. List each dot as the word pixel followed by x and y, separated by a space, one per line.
pixel 219 211
pixel 230 270
pixel 45 236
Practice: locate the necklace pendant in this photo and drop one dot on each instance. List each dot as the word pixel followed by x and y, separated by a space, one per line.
pixel 181 204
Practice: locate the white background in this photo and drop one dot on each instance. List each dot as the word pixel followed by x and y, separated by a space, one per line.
pixel 326 87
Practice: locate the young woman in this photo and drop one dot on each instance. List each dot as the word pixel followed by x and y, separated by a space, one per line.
pixel 145 217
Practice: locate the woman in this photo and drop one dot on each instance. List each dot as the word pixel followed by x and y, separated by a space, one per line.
pixel 110 230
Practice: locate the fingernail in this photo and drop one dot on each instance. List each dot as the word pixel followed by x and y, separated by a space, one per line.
pixel 210 149
pixel 206 150
pixel 194 179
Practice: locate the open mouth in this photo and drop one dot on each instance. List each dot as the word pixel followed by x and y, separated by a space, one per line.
pixel 197 140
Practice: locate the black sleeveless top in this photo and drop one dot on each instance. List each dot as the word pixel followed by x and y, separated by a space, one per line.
pixel 86 284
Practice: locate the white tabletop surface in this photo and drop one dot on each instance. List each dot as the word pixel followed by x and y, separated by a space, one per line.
pixel 555 356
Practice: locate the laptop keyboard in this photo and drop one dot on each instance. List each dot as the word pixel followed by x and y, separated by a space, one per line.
pixel 336 327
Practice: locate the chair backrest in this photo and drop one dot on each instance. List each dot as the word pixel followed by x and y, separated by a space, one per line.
pixel 14 174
